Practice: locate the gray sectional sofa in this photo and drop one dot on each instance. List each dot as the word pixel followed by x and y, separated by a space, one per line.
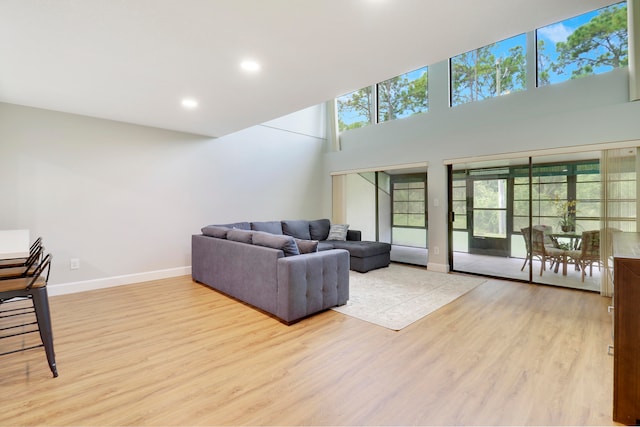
pixel 290 269
pixel 364 255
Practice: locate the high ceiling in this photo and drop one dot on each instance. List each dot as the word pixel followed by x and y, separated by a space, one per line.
pixel 135 60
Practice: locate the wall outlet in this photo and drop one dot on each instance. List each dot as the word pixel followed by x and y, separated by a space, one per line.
pixel 74 263
pixel 436 250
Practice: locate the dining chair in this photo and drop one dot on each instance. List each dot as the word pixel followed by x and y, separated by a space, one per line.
pixel 17 319
pixel 589 252
pixel 26 268
pixel 21 262
pixel 536 245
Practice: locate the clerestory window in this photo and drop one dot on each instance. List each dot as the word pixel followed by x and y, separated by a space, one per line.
pixel 493 70
pixel 592 43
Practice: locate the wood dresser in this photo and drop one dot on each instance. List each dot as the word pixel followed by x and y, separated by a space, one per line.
pixel 626 339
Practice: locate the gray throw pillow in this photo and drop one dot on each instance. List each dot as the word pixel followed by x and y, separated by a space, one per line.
pixel 273 227
pixel 285 243
pixel 215 231
pixel 307 246
pixel 243 236
pixel 338 232
pixel 237 225
pixel 296 228
pixel 319 229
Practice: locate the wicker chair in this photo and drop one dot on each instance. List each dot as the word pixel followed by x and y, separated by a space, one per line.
pixel 541 249
pixel 589 252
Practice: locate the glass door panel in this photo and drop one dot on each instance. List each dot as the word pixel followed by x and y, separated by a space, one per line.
pixel 567 193
pixel 489 217
pixel 409 220
pixel 482 205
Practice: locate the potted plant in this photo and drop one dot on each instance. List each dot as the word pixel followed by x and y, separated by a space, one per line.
pixel 566 215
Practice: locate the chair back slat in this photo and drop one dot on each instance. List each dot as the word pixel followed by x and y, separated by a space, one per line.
pixel 35 245
pixel 537 241
pixel 46 263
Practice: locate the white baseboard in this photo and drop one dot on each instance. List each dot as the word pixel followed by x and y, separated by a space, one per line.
pixel 108 282
pixel 440 268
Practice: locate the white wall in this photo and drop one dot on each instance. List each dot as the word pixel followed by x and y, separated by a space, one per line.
pixel 590 110
pixel 125 199
pixel 361 208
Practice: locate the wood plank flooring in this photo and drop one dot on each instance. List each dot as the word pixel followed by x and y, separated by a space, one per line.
pixel 173 352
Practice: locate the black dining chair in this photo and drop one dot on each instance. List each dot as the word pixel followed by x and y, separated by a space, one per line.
pixel 26 268
pixel 21 262
pixel 16 318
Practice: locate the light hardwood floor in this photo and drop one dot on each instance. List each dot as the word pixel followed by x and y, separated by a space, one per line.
pixel 172 352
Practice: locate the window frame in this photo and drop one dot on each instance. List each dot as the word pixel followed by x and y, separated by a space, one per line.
pixel 409 178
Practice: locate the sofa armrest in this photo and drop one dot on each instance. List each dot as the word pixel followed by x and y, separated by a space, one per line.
pixel 312 282
pixel 354 235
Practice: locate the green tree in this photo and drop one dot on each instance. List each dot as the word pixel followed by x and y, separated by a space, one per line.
pixel 356 104
pixel 544 65
pixel 471 75
pixel 602 42
pixel 399 97
pixel 510 71
pixel 479 74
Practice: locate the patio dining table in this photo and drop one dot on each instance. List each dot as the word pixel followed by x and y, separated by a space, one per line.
pixel 574 244
pixel 573 237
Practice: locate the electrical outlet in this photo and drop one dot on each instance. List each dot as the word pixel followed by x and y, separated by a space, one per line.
pixel 436 250
pixel 74 263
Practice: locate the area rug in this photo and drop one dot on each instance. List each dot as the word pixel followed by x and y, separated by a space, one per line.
pixel 399 295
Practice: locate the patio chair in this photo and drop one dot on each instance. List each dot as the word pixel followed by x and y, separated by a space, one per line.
pixel 589 252
pixel 16 317
pixel 537 247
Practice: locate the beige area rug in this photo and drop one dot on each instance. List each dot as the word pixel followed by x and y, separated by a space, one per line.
pixel 397 296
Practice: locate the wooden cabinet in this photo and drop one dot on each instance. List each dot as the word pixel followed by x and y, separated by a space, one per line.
pixel 626 339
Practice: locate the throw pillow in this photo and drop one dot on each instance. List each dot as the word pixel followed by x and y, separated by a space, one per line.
pixel 273 227
pixel 319 229
pixel 338 232
pixel 296 228
pixel 215 231
pixel 242 236
pixel 285 243
pixel 237 225
pixel 307 246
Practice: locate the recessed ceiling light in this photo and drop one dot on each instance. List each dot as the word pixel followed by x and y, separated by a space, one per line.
pixel 250 65
pixel 189 103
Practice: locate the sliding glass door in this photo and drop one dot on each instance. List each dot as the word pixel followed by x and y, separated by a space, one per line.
pixel 541 219
pixel 387 206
